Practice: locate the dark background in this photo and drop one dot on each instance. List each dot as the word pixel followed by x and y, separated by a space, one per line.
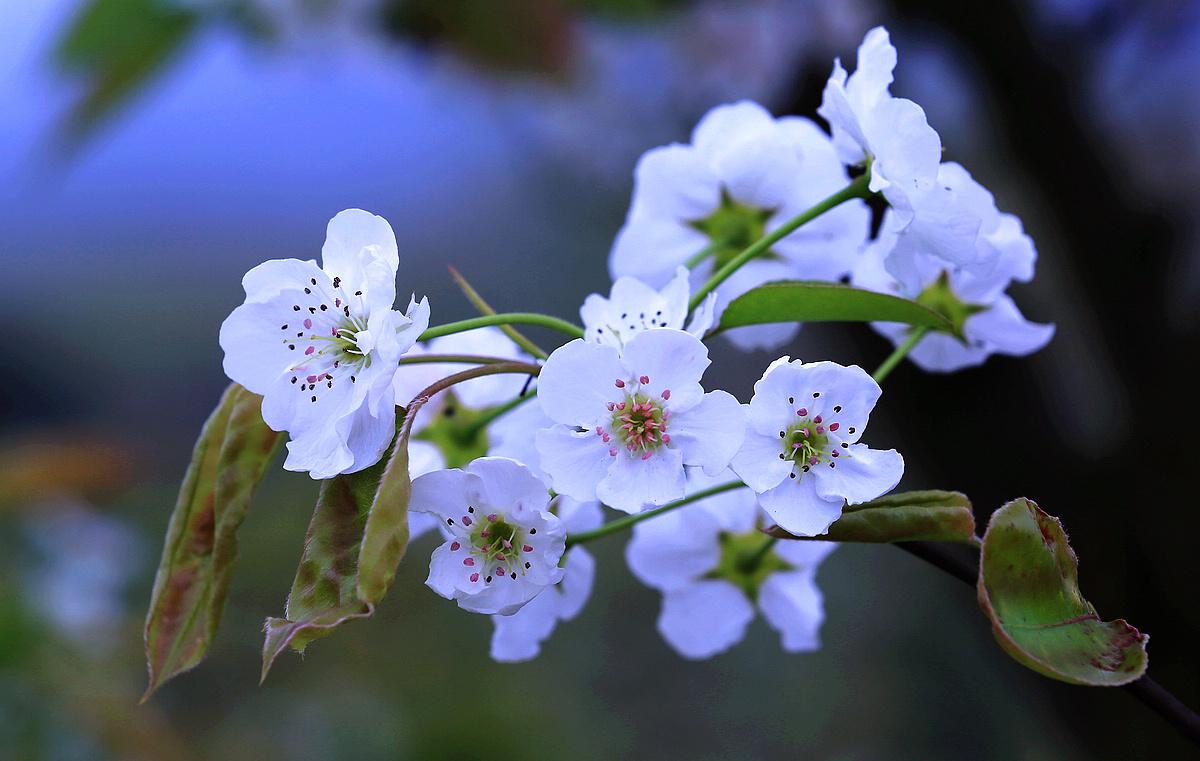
pixel 151 153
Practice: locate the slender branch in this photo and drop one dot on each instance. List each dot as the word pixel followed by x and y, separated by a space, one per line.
pixel 1148 691
pixel 856 189
pixel 451 359
pixel 622 523
pixel 497 368
pixel 473 296
pixel 504 318
pixel 487 416
pixel 900 353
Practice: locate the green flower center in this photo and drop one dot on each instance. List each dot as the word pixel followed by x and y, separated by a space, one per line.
pixel 640 423
pixel 746 561
pixel 805 443
pixel 731 229
pixel 940 298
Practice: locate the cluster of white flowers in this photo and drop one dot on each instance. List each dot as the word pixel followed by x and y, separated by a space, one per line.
pixel 621 418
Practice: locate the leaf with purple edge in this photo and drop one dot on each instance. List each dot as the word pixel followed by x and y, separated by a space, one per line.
pixel 1029 588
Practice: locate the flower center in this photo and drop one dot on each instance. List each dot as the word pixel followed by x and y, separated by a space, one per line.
pixel 496 548
pixel 732 228
pixel 747 561
pixel 639 419
pixel 939 297
pixel 809 442
pixel 323 332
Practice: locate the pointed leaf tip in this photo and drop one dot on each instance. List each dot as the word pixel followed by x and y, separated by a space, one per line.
pixel 1029 588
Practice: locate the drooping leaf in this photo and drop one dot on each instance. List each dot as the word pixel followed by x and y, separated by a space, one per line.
pixel 1029 588
pixel 356 539
pixel 324 593
pixel 230 456
pixel 800 301
pixel 931 516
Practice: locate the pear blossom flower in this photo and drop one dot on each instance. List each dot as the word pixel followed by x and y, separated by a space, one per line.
pixel 743 175
pixel 627 422
pixel 705 560
pixel 973 296
pixel 503 545
pixel 802 453
pixel 905 153
pixel 519 637
pixel 633 306
pixel 320 344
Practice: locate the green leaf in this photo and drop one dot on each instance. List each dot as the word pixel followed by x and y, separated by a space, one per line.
pixel 230 456
pixel 798 301
pixel 325 591
pixel 914 516
pixel 1029 588
pixel 355 542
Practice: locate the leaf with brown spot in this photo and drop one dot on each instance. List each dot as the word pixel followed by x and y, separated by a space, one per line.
pixel 1029 588
pixel 193 576
pixel 932 516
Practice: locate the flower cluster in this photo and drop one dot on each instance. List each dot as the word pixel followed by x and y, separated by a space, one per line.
pixel 512 471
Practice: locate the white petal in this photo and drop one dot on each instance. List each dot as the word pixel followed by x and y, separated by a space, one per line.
pixel 575 462
pixel 735 511
pixel 806 555
pixel 255 354
pixel 444 493
pixel 729 123
pixel 672 360
pixel 579 574
pixel 518 637
pixel 269 279
pixel 369 436
pixel 711 433
pixel 859 475
pixel 705 618
pixel 651 248
pixel 633 484
pixel 674 183
pixel 578 380
pixel 798 509
pixel 514 434
pixel 420 524
pixel 907 150
pixel 793 605
pixel 758 462
pixel 509 485
pixel 671 550
pixel 1006 331
pixel 352 231
pixel 704 317
pixel 577 516
pixel 320 451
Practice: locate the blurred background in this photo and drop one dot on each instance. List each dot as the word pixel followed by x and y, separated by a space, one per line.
pixel 151 151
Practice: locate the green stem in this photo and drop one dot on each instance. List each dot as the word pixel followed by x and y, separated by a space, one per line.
pixel 504 318
pixel 900 353
pixel 486 417
pixel 450 359
pixel 623 523
pixel 856 189
pixel 485 308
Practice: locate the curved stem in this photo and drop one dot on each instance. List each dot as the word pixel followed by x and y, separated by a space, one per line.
pixel 485 418
pixel 497 368
pixel 900 353
pixel 504 318
pixel 856 189
pixel 485 308
pixel 622 523
pixel 451 359
pixel 1152 694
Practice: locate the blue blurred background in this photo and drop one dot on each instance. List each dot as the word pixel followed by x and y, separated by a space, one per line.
pixel 151 151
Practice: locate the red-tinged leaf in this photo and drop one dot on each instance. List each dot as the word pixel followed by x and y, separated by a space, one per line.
pixel 324 593
pixel 231 454
pixel 931 516
pixel 1029 588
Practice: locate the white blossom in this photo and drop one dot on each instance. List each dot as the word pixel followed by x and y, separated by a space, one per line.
pixel 519 637
pixel 743 175
pixel 627 422
pixel 503 544
pixel 802 453
pixel 320 344
pixel 973 294
pixel 707 561
pixel 633 307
